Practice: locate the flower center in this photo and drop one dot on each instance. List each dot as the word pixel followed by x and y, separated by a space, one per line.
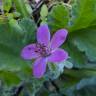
pixel 43 50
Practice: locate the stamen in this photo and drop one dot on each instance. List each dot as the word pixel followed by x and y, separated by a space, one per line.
pixel 43 50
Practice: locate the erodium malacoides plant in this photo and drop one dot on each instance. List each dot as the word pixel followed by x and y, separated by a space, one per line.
pixel 45 50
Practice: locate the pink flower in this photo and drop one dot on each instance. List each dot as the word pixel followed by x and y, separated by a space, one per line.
pixel 44 50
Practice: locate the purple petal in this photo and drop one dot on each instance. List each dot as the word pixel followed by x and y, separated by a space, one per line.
pixel 28 52
pixel 58 55
pixel 43 35
pixel 58 38
pixel 39 67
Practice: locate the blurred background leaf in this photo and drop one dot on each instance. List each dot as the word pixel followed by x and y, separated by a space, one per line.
pixel 7 4
pixel 12 41
pixel 83 14
pixel 23 7
pixel 58 17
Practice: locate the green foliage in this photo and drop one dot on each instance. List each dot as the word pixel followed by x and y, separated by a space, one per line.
pixel 23 8
pixel 83 14
pixel 85 41
pixel 58 17
pixel 84 33
pixel 44 11
pixel 7 4
pixel 80 44
pixel 85 87
pixel 9 78
pixel 29 27
pixel 75 56
pixel 17 31
pixel 12 41
pixel 82 40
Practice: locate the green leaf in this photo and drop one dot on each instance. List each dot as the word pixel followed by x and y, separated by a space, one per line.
pixel 83 14
pixel 13 24
pixel 23 7
pixel 71 77
pixel 9 78
pixel 81 44
pixel 55 70
pixel 13 65
pixel 29 27
pixel 7 4
pixel 12 40
pixel 77 58
pixel 44 11
pixel 10 61
pixel 85 42
pixel 15 36
pixel 10 37
pixel 68 64
pixel 85 87
pixel 58 17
